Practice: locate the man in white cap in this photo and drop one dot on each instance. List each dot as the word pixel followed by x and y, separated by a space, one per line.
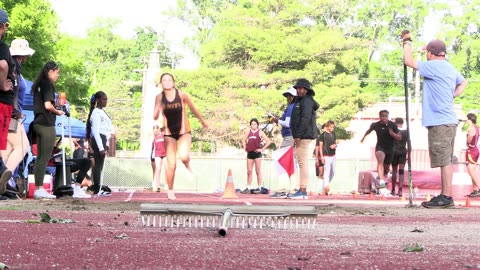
pixel 287 139
pixel 441 85
pixel 7 82
pixel 17 141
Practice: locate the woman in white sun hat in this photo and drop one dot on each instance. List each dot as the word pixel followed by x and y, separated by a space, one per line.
pixel 17 141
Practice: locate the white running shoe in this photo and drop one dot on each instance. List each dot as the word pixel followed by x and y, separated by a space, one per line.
pixel 171 195
pixel 43 194
pixel 79 193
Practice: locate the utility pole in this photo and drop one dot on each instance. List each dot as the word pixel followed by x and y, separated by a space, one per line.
pixel 150 73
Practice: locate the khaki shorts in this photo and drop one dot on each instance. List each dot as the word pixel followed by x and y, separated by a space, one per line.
pixel 440 144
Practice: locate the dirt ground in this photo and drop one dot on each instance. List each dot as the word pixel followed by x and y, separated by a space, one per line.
pixel 350 233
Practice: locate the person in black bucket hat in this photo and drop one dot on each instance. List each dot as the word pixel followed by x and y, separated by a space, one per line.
pixel 306 84
pixel 304 130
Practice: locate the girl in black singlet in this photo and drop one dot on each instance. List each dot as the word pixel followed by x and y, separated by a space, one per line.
pixel 170 107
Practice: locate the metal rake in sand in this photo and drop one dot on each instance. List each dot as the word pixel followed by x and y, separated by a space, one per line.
pixel 224 217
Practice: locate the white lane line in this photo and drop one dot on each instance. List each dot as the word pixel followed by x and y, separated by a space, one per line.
pixel 130 196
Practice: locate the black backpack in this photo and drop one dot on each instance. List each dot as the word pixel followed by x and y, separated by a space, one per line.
pixel 12 193
pixel 62 191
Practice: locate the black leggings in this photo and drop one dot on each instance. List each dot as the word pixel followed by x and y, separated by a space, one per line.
pixel 82 165
pixel 99 161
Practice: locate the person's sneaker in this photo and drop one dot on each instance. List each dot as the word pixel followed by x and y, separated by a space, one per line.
pixel 103 193
pixel 255 191
pixel 439 201
pixel 3 198
pixel 79 193
pixel 264 190
pixel 475 193
pixel 299 195
pixel 43 194
pixel 279 195
pixel 171 195
pixel 4 178
pixel 245 191
pixel 326 190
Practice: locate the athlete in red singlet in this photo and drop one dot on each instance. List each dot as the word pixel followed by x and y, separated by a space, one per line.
pixel 472 153
pixel 171 105
pixel 158 155
pixel 252 143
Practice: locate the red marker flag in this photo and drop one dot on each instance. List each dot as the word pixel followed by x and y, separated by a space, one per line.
pixel 284 160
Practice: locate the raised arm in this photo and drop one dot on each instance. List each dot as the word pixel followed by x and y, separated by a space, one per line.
pixel 408 59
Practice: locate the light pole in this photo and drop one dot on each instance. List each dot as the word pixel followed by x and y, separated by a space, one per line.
pixel 149 92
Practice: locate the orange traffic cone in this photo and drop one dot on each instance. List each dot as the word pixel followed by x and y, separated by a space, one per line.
pixel 229 192
pixel 403 198
pixel 467 202
pixel 428 198
pixel 383 197
pixel 370 197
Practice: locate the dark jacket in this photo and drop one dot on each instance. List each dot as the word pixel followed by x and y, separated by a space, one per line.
pixel 303 122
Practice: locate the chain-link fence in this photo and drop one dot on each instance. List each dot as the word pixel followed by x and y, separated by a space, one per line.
pixel 211 174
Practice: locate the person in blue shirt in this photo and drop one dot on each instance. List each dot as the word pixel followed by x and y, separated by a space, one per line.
pixel 287 138
pixel 442 83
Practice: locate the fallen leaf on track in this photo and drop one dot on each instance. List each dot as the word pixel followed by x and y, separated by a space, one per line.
pixel 44 217
pixel 414 248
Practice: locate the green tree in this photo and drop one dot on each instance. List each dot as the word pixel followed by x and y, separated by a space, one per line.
pixel 110 65
pixel 461 30
pixel 34 21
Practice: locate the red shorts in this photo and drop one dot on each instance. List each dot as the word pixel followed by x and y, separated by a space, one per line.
pixel 5 116
pixel 472 155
